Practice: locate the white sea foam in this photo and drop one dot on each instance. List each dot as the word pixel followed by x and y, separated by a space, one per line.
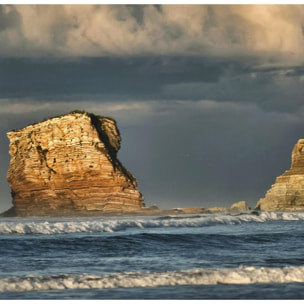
pixel 240 275
pixel 95 225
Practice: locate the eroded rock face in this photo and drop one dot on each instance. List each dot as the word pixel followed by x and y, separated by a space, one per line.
pixel 287 194
pixel 68 164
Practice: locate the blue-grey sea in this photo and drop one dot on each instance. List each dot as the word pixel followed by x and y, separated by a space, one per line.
pixel 206 256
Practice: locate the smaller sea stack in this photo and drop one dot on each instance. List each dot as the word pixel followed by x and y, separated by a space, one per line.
pixel 287 194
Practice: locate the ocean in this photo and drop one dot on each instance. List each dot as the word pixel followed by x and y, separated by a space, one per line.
pixel 205 256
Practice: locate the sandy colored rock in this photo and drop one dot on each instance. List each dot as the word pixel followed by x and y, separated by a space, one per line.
pixel 239 206
pixel 287 194
pixel 67 164
pixel 217 209
pixel 194 210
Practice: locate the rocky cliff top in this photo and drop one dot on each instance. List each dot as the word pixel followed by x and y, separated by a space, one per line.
pixel 297 159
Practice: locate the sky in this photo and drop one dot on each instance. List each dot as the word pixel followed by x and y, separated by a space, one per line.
pixel 208 98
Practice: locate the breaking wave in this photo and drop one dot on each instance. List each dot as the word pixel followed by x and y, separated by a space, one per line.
pixel 240 275
pixel 95 225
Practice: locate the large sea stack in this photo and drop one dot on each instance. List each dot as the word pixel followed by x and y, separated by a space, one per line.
pixel 287 194
pixel 68 165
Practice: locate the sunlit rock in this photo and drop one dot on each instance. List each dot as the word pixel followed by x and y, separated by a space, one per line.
pixel 287 194
pixel 239 206
pixel 68 164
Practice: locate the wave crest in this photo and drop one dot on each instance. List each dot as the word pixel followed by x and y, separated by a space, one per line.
pixel 240 275
pixel 39 226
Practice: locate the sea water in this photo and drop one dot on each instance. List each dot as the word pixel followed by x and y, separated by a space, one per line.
pixel 206 256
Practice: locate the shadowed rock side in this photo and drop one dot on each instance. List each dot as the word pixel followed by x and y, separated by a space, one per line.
pixel 68 165
pixel 287 194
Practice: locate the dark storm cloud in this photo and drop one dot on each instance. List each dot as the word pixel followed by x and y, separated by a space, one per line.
pixel 100 78
pixel 272 90
pixel 156 78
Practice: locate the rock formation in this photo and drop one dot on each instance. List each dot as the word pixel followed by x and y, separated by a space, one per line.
pixel 287 194
pixel 235 207
pixel 239 206
pixel 68 164
pixel 217 209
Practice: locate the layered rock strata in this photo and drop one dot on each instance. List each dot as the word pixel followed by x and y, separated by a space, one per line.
pixel 68 164
pixel 287 194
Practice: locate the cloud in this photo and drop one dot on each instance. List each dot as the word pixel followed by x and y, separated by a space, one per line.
pixel 269 33
pixel 114 81
pixel 18 107
pixel 138 113
pixel 272 90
